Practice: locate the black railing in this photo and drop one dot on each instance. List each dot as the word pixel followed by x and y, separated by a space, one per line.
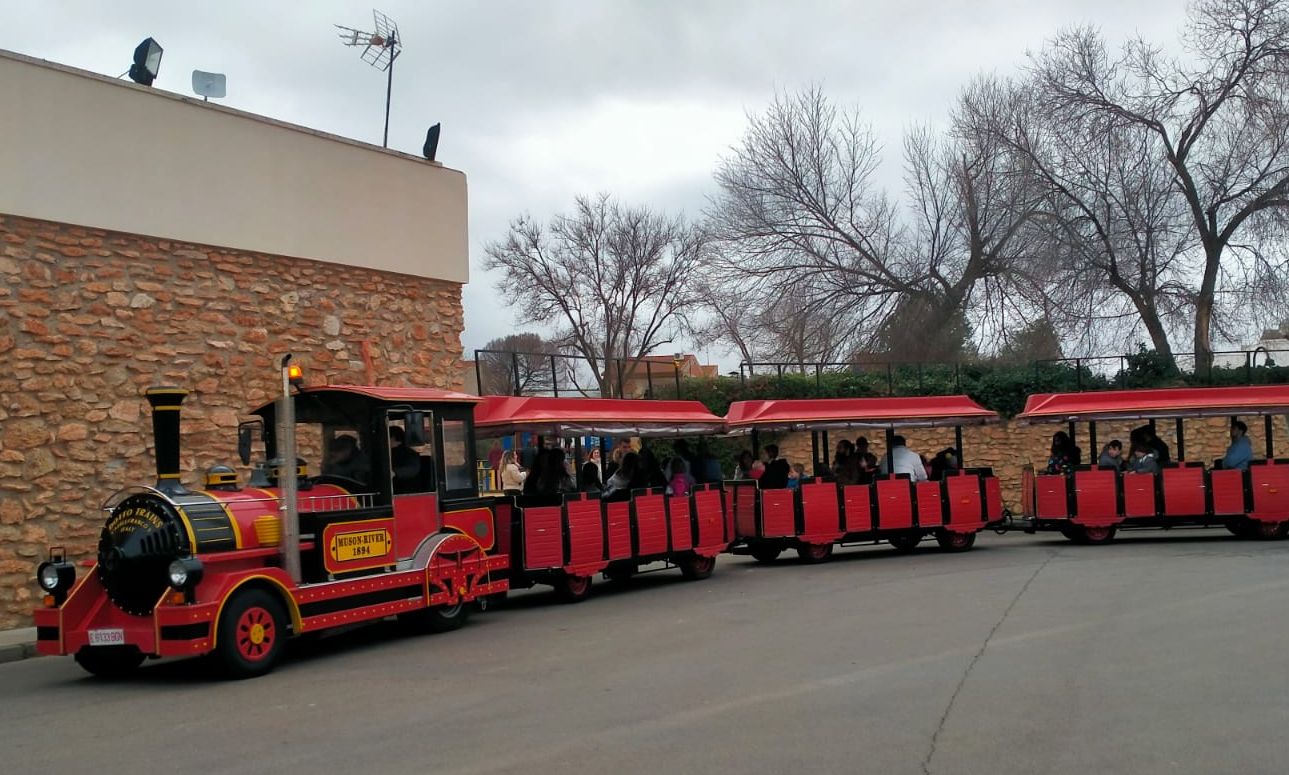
pixel 507 372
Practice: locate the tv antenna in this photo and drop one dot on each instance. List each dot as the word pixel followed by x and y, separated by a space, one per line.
pixel 380 49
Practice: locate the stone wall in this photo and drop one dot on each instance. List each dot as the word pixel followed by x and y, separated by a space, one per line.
pixel 1008 447
pixel 89 318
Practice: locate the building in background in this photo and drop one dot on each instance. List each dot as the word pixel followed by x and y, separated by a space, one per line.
pixel 147 237
pixel 654 376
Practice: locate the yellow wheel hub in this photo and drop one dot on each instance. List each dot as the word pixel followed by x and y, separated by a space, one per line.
pixel 257 634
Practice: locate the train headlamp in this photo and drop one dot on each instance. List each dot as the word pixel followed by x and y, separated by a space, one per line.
pixel 184 573
pixel 56 576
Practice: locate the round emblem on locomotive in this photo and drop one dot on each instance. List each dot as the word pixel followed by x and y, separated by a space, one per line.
pixel 141 537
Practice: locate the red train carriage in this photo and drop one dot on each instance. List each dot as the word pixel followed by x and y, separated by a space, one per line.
pixel 565 540
pixel 820 514
pixel 1090 503
pixel 235 570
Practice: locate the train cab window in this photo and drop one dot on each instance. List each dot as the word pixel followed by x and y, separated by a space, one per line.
pixel 457 465
pixel 346 456
pixel 412 455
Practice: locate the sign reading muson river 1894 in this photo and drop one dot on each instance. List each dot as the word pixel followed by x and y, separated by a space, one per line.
pixel 358 545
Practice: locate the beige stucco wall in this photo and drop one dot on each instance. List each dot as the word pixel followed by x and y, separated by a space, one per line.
pixel 80 148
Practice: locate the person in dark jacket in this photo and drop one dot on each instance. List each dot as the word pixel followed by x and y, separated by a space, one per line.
pixel 776 469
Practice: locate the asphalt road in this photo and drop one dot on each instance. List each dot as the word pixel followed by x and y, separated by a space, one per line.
pixel 1157 654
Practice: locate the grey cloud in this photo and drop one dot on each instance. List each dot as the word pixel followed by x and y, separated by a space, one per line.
pixel 501 72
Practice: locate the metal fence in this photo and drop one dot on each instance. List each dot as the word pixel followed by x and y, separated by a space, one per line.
pixel 507 372
pixel 1141 369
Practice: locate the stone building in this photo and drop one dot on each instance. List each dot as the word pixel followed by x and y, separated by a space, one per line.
pixel 149 238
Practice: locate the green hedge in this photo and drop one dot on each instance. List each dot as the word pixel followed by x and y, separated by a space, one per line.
pixel 997 387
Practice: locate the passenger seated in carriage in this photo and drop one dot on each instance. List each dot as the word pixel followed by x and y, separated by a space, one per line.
pixel 776 469
pixel 1146 436
pixel 846 464
pixel 1065 454
pixel 906 461
pixel 944 463
pixel 1112 455
pixel 1144 460
pixel 618 487
pixel 1240 453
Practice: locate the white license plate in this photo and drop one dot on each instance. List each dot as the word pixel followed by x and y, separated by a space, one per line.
pixel 107 637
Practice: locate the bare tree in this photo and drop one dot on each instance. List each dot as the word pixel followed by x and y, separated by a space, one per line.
pixel 1220 120
pixel 1115 238
pixel 613 281
pixel 519 364
pixel 799 219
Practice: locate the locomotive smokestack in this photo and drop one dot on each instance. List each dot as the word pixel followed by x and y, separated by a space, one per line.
pixel 165 403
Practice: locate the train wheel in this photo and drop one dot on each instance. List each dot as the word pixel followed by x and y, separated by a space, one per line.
pixel 573 589
pixel 766 552
pixel 436 619
pixel 1096 534
pixel 250 634
pixel 696 567
pixel 955 542
pixel 1269 531
pixel 906 542
pixel 109 661
pixel 813 553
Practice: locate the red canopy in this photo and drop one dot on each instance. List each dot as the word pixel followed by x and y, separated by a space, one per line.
pixel 831 413
pixel 397 393
pixel 595 417
pixel 1156 403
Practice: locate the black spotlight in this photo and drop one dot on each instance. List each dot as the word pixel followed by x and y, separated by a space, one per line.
pixel 147 62
pixel 431 148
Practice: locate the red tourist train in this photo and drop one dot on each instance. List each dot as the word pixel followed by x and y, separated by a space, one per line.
pixel 393 522
pixel 1091 502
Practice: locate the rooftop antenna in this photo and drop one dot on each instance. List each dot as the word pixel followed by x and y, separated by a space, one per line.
pixel 380 49
pixel 207 85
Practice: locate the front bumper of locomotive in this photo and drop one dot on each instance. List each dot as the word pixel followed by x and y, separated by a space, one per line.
pixel 88 619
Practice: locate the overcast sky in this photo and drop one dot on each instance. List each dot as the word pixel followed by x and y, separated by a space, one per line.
pixel 544 99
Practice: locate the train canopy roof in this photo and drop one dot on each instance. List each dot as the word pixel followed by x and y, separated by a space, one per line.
pixel 595 417
pixel 1156 403
pixel 840 413
pixel 408 394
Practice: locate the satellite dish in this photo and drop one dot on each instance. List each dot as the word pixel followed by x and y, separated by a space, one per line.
pixel 208 85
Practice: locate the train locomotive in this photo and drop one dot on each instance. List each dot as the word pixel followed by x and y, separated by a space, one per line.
pixel 232 571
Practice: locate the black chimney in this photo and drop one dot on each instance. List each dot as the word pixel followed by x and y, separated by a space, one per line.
pixel 165 403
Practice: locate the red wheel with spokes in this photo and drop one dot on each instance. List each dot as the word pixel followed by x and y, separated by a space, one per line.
pixel 814 552
pixel 1269 531
pixel 250 633
pixel 573 589
pixel 695 567
pixel 1096 534
pixel 955 542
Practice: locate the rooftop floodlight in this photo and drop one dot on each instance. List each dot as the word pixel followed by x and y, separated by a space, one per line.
pixel 147 62
pixel 431 148
pixel 380 49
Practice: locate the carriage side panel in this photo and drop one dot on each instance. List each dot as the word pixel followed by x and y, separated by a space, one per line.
pixel 859 507
pixel 543 537
pixel 894 503
pixel 650 523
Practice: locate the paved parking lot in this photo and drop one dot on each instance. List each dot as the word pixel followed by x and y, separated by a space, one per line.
pixel 1156 654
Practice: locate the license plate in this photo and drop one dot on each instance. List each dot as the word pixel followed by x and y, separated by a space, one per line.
pixel 107 637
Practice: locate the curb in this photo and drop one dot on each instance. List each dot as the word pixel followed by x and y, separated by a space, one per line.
pixel 17 645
